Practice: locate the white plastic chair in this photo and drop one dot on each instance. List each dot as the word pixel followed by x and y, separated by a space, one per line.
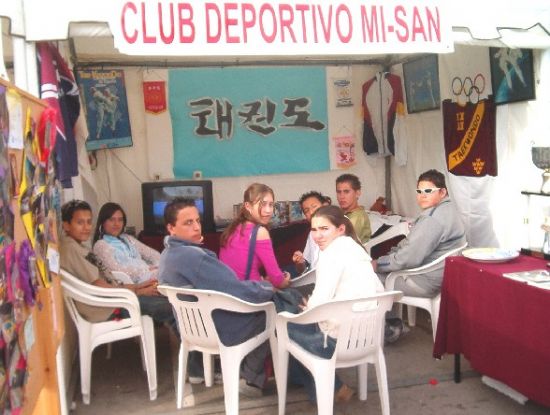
pixel 194 309
pixel 402 228
pixel 360 341
pixel 306 278
pixel 429 304
pixel 91 335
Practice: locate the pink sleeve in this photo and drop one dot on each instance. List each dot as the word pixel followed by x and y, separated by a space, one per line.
pixel 266 256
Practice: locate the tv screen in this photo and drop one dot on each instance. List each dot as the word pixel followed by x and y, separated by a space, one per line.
pixel 156 195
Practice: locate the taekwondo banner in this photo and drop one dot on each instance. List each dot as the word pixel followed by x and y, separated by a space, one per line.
pixel 470 137
pixel 248 121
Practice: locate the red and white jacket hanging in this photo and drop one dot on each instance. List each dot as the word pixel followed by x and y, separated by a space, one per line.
pixel 383 113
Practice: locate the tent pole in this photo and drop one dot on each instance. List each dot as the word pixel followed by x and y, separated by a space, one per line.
pixel 387 180
pixel 3 70
pixel 19 63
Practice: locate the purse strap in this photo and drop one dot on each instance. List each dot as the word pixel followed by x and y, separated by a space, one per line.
pixel 251 250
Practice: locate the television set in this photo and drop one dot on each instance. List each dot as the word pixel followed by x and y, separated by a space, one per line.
pixel 156 195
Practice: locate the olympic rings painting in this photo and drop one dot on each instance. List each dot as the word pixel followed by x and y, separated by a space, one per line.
pixel 512 75
pixel 467 88
pixel 422 84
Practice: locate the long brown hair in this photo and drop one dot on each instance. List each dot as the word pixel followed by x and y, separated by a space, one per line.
pixel 336 216
pixel 254 193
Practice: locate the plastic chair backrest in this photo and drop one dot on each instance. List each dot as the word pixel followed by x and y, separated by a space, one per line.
pixel 402 228
pixel 80 291
pixel 194 309
pixel 437 263
pixel 360 333
pixel 308 277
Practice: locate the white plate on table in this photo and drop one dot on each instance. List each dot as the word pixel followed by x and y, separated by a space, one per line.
pixel 491 255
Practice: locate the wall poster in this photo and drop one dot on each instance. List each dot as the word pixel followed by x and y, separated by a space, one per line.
pixel 422 84
pixel 106 107
pixel 512 74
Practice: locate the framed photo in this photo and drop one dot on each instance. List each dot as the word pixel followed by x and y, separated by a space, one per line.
pixel 512 75
pixel 106 108
pixel 422 84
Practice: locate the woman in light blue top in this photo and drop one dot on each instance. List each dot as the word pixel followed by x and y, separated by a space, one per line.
pixel 119 251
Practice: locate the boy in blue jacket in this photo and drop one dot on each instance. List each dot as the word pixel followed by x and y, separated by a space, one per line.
pixel 185 263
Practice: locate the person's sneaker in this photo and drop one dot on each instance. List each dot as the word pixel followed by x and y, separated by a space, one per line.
pixel 393 330
pixel 196 380
pixel 250 390
pixel 218 378
pixel 344 394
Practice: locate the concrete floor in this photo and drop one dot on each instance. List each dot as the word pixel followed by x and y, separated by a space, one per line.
pixel 418 384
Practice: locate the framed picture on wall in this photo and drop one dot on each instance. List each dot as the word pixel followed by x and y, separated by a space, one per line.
pixel 512 75
pixel 106 108
pixel 422 84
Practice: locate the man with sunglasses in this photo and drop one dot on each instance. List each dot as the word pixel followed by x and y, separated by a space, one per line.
pixel 437 230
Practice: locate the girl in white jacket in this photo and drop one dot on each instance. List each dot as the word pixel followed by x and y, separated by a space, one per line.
pixel 344 271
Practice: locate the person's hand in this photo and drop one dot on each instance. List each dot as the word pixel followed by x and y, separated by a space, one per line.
pixel 303 306
pixel 286 280
pixel 298 257
pixel 148 288
pixel 374 264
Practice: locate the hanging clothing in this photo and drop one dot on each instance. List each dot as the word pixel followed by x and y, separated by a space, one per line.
pixel 470 138
pixel 383 112
pixel 58 88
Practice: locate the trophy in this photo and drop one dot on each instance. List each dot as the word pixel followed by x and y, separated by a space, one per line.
pixel 541 159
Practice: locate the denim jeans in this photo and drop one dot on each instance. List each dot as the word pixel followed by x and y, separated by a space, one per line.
pixel 312 339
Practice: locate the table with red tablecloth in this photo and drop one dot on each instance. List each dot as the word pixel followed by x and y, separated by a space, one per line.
pixel 501 326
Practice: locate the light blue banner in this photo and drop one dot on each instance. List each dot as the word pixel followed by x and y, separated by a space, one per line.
pixel 249 121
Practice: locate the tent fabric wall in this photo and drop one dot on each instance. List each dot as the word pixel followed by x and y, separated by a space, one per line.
pixel 490 206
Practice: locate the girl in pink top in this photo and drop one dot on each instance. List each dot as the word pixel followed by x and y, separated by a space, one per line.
pixel 257 209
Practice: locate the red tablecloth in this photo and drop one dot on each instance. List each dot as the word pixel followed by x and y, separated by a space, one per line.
pixel 500 325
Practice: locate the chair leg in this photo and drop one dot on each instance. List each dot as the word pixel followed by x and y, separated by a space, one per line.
pixel 149 354
pixel 411 315
pixel 362 377
pixel 183 355
pixel 230 370
pixel 282 377
pixel 436 302
pixel 324 390
pixel 208 365
pixel 382 378
pixel 399 310
pixel 85 370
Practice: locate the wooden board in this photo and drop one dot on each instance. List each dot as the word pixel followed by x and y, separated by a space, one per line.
pixel 41 394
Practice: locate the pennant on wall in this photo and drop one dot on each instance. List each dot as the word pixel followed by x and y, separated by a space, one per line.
pixel 470 139
pixel 344 151
pixel 154 96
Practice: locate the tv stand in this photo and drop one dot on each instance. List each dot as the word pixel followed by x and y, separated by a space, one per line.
pixel 286 239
